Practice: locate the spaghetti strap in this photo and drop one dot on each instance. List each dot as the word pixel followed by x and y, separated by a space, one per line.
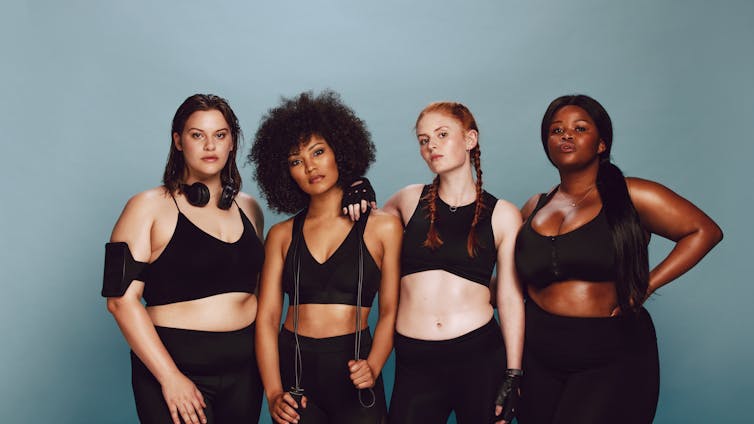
pixel 176 202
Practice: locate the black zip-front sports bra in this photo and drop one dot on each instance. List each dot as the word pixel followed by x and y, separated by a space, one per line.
pixel 586 253
pixel 453 226
pixel 195 264
pixel 336 280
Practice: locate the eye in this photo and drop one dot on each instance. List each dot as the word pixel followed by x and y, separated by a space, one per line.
pixel 197 135
pixel 556 131
pixel 221 136
pixel 318 152
pixel 423 140
pixel 294 162
pixel 580 129
pixel 443 134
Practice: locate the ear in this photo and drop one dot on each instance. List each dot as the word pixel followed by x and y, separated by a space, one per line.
pixel 472 138
pixel 601 147
pixel 177 141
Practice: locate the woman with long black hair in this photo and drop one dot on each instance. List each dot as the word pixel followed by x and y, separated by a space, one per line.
pixel 590 351
pixel 192 250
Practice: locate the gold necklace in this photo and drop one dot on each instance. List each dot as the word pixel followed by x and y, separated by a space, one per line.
pixel 574 204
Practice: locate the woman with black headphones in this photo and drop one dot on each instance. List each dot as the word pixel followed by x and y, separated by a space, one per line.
pixel 191 249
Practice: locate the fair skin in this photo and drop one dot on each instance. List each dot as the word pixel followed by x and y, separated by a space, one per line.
pixel 574 145
pixel 438 305
pixel 313 167
pixel 147 224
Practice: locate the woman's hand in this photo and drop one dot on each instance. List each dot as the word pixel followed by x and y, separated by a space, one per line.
pixel 361 374
pixel 283 408
pixel 184 400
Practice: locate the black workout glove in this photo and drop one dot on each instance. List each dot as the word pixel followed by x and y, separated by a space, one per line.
pixel 358 190
pixel 507 395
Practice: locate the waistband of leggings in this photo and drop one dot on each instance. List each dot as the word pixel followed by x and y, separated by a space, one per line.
pixel 491 328
pixel 179 332
pixel 325 344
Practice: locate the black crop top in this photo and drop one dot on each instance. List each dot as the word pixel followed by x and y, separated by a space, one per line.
pixel 453 228
pixel 586 253
pixel 195 265
pixel 336 280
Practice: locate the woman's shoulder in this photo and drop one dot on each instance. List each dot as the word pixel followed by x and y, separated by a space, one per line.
pixel 384 221
pixel 149 202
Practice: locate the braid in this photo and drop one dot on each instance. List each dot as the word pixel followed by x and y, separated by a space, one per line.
pixel 433 240
pixel 471 242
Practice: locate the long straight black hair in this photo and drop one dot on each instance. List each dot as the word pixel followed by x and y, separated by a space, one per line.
pixel 629 238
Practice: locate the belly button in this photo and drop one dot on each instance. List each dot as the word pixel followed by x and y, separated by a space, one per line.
pixel 439 324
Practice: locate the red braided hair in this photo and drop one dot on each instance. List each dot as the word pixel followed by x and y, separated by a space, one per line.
pixel 464 116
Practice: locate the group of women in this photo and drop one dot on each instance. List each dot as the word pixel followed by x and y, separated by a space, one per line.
pixel 573 343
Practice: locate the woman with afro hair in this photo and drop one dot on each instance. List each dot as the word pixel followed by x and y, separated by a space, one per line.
pixel 322 366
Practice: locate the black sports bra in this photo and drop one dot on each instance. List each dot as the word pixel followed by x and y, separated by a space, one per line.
pixel 453 227
pixel 336 280
pixel 586 253
pixel 195 264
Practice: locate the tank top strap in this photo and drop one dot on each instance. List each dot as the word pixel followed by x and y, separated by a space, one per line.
pixel 176 202
pixel 544 198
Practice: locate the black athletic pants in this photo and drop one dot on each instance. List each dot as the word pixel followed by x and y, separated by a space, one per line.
pixel 589 370
pixel 433 378
pixel 325 378
pixel 223 366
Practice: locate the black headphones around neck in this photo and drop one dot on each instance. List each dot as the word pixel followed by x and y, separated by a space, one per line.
pixel 198 194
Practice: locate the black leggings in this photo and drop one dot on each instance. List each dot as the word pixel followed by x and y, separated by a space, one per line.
pixel 221 364
pixel 433 378
pixel 325 378
pixel 589 370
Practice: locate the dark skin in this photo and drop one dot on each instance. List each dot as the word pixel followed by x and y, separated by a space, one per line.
pixel 574 146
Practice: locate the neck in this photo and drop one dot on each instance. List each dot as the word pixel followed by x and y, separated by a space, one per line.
pixel 574 182
pixel 457 188
pixel 326 205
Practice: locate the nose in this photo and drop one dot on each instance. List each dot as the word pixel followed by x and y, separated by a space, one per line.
pixel 567 135
pixel 209 144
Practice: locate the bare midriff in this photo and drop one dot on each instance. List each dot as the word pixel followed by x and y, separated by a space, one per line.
pixel 438 305
pixel 326 320
pixel 576 298
pixel 222 312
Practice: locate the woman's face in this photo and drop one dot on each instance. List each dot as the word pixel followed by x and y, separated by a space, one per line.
pixel 574 140
pixel 313 166
pixel 443 142
pixel 206 143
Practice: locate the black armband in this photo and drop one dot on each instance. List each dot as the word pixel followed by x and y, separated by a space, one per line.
pixel 120 269
pixel 358 190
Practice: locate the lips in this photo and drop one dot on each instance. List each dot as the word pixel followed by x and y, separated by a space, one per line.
pixel 434 157
pixel 315 179
pixel 567 147
pixel 210 158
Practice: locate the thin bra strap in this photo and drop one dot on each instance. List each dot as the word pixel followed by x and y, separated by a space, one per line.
pixel 175 201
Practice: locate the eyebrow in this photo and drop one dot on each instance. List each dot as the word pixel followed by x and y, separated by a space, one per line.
pixel 435 130
pixel 298 152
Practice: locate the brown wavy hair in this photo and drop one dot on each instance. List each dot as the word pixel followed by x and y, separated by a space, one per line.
pixel 466 119
pixel 176 166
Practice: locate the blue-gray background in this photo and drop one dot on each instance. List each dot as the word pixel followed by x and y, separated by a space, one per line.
pixel 89 89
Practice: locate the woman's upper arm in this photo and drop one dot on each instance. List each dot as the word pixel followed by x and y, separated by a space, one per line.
pixel 271 287
pixel 134 227
pixel 667 214
pixel 391 232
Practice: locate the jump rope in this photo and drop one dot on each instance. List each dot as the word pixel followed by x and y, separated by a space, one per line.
pixel 297 391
